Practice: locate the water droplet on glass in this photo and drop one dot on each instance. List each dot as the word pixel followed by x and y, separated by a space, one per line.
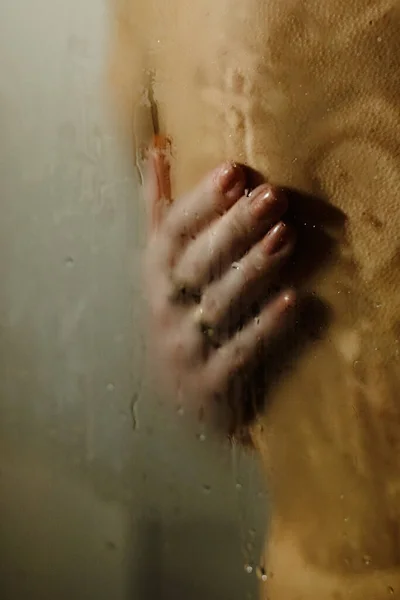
pixel 367 559
pixel 69 262
pixel 180 411
pixel 248 568
pixel 390 590
pixel 201 437
pixel 133 407
pixel 378 39
pixel 261 574
pixel 235 265
pixel 252 532
pixel 206 489
pixel 110 387
pixel 238 485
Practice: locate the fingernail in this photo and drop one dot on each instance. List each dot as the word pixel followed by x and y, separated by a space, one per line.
pixel 289 299
pixel 264 201
pixel 278 238
pixel 229 178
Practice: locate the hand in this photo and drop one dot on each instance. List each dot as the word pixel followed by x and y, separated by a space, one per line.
pixel 211 259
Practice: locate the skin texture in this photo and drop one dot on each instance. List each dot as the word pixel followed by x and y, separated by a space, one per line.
pixel 308 94
pixel 210 255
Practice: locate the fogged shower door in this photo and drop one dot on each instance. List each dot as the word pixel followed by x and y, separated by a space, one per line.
pixel 103 493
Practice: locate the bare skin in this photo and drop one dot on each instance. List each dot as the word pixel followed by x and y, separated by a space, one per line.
pixel 308 94
pixel 210 255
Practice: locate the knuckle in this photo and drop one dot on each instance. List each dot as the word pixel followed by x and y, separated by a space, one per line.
pixel 239 224
pixel 255 266
pixel 238 358
pixel 158 253
pixel 236 355
pixel 210 309
pixel 232 360
pixel 177 234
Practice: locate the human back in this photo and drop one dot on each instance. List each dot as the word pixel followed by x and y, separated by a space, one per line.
pixel 308 94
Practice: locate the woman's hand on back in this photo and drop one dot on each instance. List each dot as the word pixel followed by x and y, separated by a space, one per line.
pixel 211 257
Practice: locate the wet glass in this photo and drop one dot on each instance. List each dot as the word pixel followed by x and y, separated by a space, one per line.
pixel 109 488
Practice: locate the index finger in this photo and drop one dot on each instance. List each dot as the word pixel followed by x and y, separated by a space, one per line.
pixel 213 196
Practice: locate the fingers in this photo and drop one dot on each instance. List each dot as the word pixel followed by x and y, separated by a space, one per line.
pixel 228 238
pixel 157 182
pixel 243 347
pixel 215 194
pixel 201 234
pixel 247 282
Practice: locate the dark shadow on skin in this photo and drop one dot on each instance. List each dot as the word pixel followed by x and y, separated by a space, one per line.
pixel 311 319
pixel 319 227
pixel 311 322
